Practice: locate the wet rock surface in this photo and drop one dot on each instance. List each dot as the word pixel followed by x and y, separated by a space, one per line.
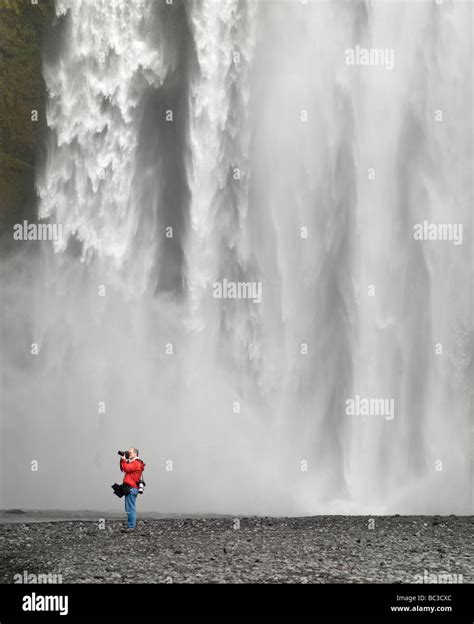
pixel 322 549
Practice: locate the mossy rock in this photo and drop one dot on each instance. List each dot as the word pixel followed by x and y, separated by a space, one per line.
pixel 22 90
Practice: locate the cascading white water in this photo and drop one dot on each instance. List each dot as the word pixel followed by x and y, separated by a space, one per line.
pixel 108 59
pixel 271 134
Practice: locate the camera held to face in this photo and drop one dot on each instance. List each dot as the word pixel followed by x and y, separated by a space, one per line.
pixel 125 454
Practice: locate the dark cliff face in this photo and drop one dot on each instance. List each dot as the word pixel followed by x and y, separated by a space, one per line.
pixel 23 27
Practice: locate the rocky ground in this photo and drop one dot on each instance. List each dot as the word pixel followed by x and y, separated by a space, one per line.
pixel 323 549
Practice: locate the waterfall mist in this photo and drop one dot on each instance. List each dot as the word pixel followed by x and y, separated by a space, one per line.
pixel 238 125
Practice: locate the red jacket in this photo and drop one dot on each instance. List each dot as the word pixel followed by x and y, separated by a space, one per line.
pixel 133 471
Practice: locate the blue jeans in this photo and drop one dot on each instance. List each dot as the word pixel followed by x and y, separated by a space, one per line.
pixel 131 507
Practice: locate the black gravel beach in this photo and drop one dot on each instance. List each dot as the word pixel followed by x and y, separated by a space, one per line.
pixel 322 549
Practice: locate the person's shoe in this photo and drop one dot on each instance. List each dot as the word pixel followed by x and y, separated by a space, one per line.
pixel 127 530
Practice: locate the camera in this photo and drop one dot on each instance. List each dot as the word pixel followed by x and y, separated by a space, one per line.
pixel 125 454
pixel 141 486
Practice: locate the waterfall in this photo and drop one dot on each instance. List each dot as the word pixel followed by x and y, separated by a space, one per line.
pixel 202 143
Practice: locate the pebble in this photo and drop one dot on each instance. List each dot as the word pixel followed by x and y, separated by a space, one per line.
pixel 319 549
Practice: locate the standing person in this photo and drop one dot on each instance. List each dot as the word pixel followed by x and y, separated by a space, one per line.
pixel 133 468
